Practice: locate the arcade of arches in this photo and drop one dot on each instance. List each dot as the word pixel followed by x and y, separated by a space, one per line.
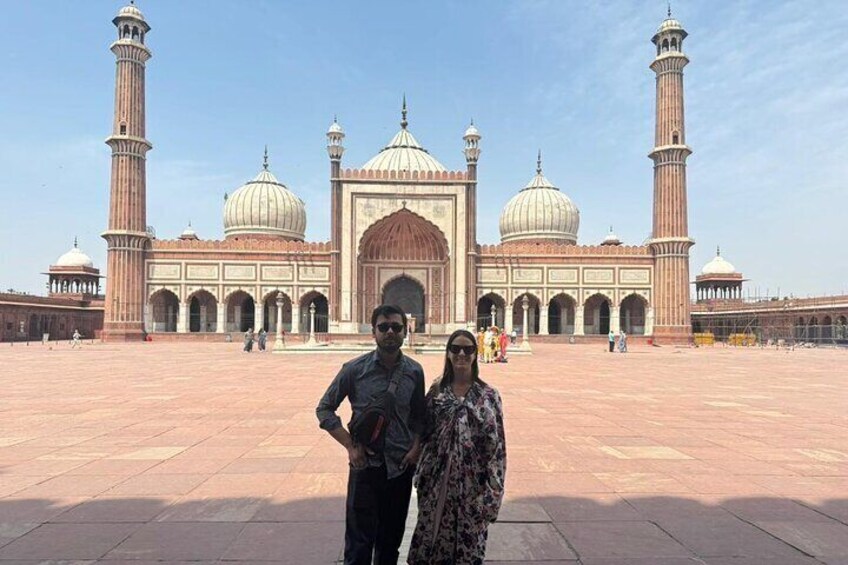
pixel 562 315
pixel 239 311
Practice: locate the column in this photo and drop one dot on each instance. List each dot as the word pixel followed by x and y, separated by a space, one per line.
pixel 507 321
pixel 204 318
pixel 278 343
pixel 649 321
pixel 578 319
pixel 295 318
pixel 258 316
pixel 221 322
pixel 543 320
pixel 182 318
pixel 525 305
pixel 615 318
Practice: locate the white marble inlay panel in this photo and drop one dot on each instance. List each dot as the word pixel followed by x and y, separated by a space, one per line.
pixel 492 275
pixel 562 275
pixel 598 275
pixel 204 272
pixel 634 276
pixel 527 275
pixel 163 271
pixel 277 272
pixel 240 272
pixel 312 273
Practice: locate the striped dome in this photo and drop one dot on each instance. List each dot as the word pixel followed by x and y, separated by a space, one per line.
pixel 403 153
pixel 540 212
pixel 265 207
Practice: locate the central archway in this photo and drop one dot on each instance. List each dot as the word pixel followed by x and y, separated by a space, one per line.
pixel 404 259
pixel 408 294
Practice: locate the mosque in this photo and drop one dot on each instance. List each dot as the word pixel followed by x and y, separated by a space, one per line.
pixel 403 231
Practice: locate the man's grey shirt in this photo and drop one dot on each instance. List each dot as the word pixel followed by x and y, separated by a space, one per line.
pixel 370 379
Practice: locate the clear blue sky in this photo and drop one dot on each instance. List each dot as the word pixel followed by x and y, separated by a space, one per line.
pixel 766 109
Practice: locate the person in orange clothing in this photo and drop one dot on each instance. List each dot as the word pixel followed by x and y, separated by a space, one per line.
pixel 503 342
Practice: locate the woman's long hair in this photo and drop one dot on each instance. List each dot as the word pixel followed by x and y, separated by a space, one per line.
pixel 447 372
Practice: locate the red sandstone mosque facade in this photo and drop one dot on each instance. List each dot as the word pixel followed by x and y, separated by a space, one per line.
pixel 403 230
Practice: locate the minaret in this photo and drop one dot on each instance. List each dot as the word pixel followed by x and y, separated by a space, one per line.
pixel 670 240
pixel 335 150
pixel 472 154
pixel 126 235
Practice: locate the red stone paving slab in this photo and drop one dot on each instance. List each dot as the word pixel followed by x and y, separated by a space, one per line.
pixel 67 541
pixel 664 456
pixel 178 541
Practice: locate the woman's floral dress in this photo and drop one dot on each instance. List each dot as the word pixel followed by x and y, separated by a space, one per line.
pixel 460 476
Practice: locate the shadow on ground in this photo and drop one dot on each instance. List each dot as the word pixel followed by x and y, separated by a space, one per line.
pixel 552 530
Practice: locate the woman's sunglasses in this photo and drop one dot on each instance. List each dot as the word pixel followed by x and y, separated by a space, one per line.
pixel 467 349
pixel 386 326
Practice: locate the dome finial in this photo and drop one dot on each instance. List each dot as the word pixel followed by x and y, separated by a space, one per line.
pixel 403 122
pixel 265 159
pixel 539 163
pixel 718 251
pixel 669 8
pixel 75 243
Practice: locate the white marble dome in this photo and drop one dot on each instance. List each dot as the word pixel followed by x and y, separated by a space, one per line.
pixel 74 258
pixel 670 24
pixel 130 11
pixel 403 153
pixel 718 266
pixel 265 207
pixel 540 212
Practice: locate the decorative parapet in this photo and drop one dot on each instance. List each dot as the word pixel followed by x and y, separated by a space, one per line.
pixel 530 249
pixel 817 303
pixel 422 176
pixel 258 245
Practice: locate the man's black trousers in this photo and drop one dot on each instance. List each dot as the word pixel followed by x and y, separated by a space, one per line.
pixel 376 515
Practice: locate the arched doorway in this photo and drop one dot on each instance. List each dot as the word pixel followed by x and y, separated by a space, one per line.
pixel 322 318
pixel 165 307
pixel 632 315
pixel 596 315
pixel 241 312
pixel 532 315
pixel 561 315
pixel 269 313
pixel 404 241
pixel 202 312
pixel 408 294
pixel 840 331
pixel 813 333
pixel 827 328
pixel 484 310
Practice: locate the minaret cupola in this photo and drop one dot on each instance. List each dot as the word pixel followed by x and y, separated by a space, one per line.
pixel 472 143
pixel 335 135
pixel 131 24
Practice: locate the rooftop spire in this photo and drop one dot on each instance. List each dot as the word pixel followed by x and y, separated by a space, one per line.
pixel 539 163
pixel 718 251
pixel 403 122
pixel 669 8
pixel 75 242
pixel 265 159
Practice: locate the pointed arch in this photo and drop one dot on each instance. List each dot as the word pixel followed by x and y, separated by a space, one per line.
pixel 532 313
pixel 164 310
pixel 322 319
pixel 596 314
pixel 203 311
pixel 561 313
pixel 633 314
pixel 269 311
pixel 484 310
pixel 403 236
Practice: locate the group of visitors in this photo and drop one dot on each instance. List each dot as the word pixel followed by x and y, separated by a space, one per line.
pixel 622 341
pixel 492 344
pixel 261 339
pixel 449 443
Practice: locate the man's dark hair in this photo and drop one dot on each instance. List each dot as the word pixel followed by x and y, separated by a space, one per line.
pixel 387 310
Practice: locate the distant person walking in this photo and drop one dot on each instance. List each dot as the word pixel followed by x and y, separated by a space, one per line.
pixel 263 338
pixel 622 342
pixel 513 336
pixel 611 337
pixel 248 340
pixel 76 340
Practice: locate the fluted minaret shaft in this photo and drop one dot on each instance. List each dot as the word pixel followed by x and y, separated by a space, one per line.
pixel 472 155
pixel 335 149
pixel 670 241
pixel 126 235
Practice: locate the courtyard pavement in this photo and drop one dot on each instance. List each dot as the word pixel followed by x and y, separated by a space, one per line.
pixel 198 452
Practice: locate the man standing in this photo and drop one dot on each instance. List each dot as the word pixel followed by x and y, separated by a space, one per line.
pixel 611 337
pixel 75 340
pixel 380 481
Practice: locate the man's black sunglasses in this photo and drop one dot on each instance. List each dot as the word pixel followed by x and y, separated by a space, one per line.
pixel 467 349
pixel 386 326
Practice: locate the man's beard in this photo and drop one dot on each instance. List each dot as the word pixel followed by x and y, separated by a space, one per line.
pixel 387 346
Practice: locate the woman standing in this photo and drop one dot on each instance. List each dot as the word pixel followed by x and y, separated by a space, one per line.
pixel 460 476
